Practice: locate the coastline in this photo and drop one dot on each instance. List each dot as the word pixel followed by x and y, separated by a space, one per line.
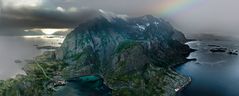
pixel 174 85
pixel 186 80
pixel 189 79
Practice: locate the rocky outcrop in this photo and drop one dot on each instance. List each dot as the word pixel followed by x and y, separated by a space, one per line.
pixel 132 55
pixel 179 36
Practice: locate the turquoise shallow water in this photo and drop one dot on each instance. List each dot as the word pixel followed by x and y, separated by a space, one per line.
pixel 213 74
pixel 85 86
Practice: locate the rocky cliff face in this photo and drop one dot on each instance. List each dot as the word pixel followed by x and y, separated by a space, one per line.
pixel 133 55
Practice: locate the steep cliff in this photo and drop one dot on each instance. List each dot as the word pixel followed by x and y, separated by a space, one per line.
pixel 133 55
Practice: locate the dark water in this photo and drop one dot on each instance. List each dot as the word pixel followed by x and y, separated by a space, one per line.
pixel 20 48
pixel 213 74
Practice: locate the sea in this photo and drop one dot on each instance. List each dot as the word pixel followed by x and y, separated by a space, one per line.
pixel 15 50
pixel 213 73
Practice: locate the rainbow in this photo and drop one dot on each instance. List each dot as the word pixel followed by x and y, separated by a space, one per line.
pixel 171 7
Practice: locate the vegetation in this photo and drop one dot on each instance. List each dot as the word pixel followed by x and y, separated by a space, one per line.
pixel 147 83
pixel 125 45
pixel 39 74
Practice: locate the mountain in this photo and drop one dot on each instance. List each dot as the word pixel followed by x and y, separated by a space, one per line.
pixel 108 55
pixel 134 56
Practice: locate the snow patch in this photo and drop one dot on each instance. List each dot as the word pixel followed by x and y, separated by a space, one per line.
pixel 60 9
pixel 156 23
pixel 141 27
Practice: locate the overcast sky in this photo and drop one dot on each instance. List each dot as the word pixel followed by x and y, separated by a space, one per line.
pixel 204 16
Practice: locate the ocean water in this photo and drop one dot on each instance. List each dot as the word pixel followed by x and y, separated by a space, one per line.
pixel 21 48
pixel 213 74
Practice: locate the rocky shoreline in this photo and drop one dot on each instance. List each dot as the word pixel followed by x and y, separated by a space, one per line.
pixel 188 80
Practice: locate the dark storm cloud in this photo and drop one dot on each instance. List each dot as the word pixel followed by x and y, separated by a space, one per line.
pixel 43 18
pixel 48 15
pixel 14 19
pixel 17 16
pixel 117 6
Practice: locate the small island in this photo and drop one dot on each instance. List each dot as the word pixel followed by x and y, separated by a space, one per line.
pixel 218 50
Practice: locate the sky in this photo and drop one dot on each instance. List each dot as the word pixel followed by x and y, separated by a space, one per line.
pixel 190 16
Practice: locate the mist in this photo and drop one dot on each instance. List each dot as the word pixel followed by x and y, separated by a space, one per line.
pixel 219 17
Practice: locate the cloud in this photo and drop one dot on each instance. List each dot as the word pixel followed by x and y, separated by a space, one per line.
pixel 44 18
pixel 60 9
pixel 20 20
pixel 15 19
pixel 73 9
pixel 1 7
pixel 21 3
pixel 25 14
